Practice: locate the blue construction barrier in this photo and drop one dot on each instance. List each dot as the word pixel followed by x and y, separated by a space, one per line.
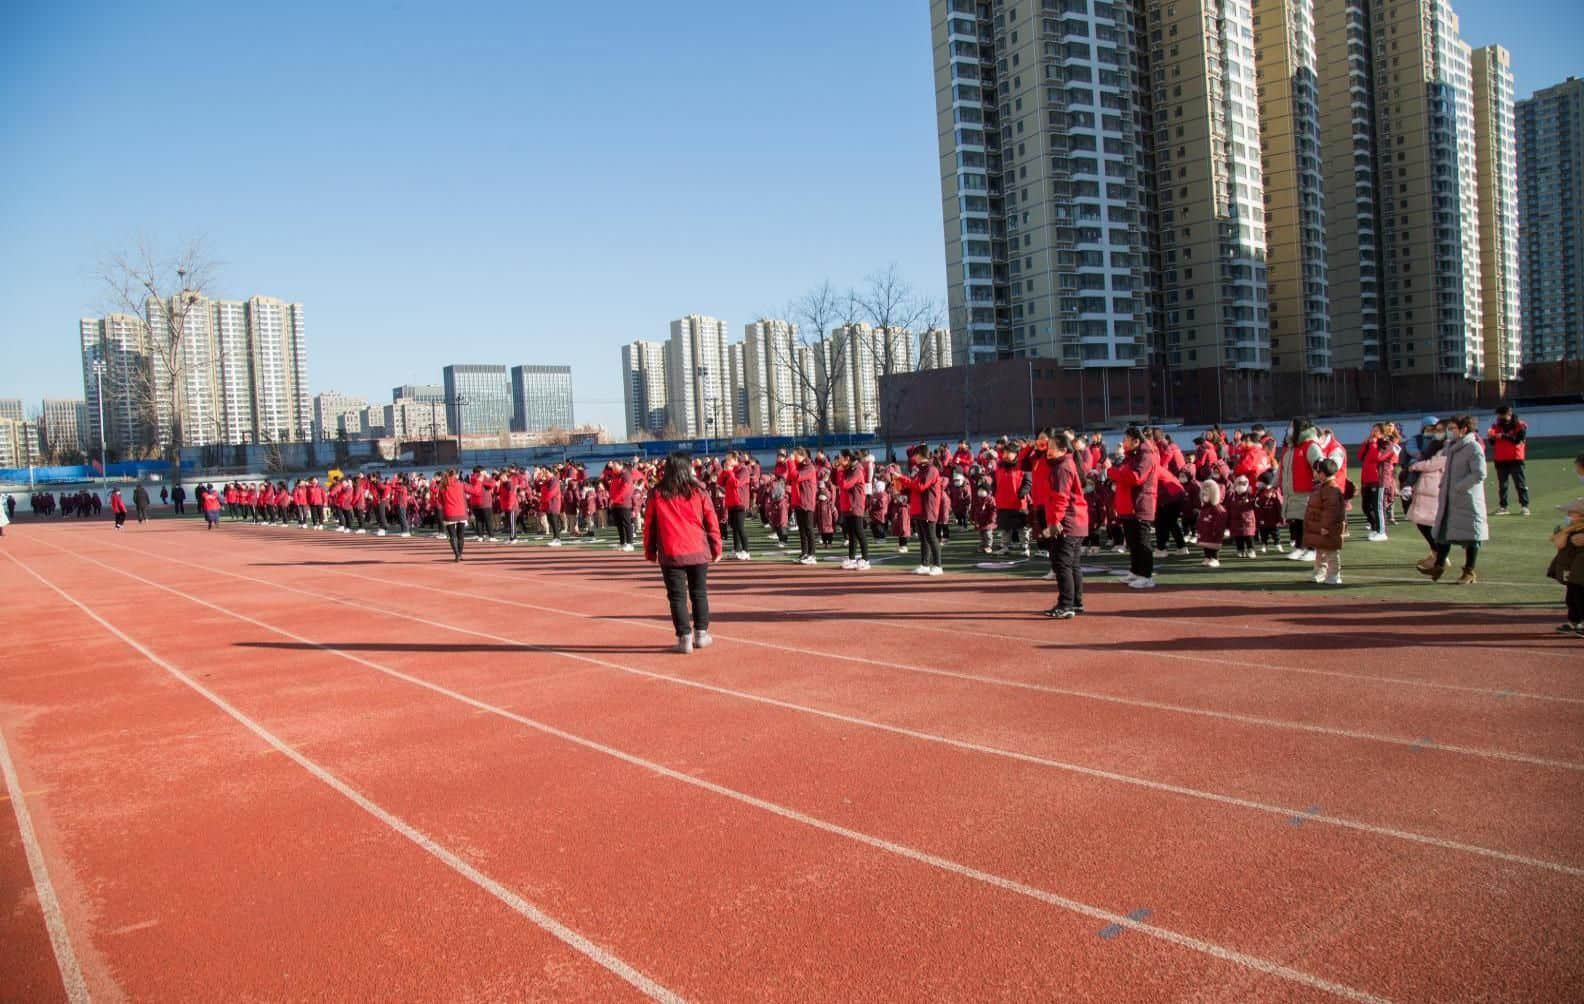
pixel 85 472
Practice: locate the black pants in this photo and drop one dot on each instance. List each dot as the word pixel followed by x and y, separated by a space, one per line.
pixel 1575 603
pixel 1424 531
pixel 120 519
pixel 483 522
pixel 181 506
pixel 1470 555
pixel 1511 469
pixel 623 516
pixel 857 542
pixel 1065 551
pixel 142 513
pixel 805 525
pixel 929 544
pixel 1295 531
pixel 454 534
pixel 1168 527
pixel 1374 509
pixel 682 585
pixel 557 524
pixel 1136 533
pixel 318 515
pixel 737 520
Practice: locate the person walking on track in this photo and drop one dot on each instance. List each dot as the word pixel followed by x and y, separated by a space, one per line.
pixel 682 535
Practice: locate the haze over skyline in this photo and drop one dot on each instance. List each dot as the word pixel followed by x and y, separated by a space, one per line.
pixel 523 186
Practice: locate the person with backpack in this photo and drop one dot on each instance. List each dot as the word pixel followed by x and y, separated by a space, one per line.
pixel 682 536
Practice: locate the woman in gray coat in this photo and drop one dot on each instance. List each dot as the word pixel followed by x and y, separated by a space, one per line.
pixel 1460 514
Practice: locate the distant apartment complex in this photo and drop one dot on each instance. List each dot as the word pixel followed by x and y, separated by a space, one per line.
pixel 63 426
pixel 241 373
pixel 1249 200
pixel 644 386
pixel 1550 141
pixel 337 415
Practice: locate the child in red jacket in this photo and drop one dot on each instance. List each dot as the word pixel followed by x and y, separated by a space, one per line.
pixel 1211 524
pixel 1242 523
pixel 1268 512
pixel 983 514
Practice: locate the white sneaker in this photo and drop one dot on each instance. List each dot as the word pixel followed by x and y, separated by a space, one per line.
pixel 684 644
pixel 921 570
pixel 937 570
pixel 1148 583
pixel 901 548
pixel 1296 554
pixel 362 531
pixel 1184 552
pixel 1119 549
pixel 1319 578
pixel 1248 554
pixel 1212 563
pixel 407 535
pixel 808 559
pixel 702 639
pixel 553 542
pixel 1128 578
pixel 627 548
pixel 1162 554
pixel 1335 580
pixel 862 566
pixel 1524 511
pixel 1308 556
pixel 379 533
pixel 1377 538
pixel 848 564
pixel 1048 576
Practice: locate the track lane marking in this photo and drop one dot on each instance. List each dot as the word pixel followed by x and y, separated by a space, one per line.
pixel 568 936
pixel 947 865
pixel 1231 800
pixel 49 904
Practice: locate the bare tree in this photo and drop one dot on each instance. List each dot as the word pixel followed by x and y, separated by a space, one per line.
pixel 816 367
pixel 161 294
pixel 897 316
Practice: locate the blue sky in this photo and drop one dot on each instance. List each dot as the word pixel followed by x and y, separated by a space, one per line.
pixel 514 183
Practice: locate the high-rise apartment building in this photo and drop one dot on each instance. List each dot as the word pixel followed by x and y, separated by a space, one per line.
pixel 19 443
pixel 1550 128
pixel 120 342
pixel 644 387
pixel 11 409
pixel 1427 197
pixel 1496 156
pixel 1211 204
pixel 479 397
pixel 698 377
pixel 770 378
pixel 737 384
pixel 935 349
pixel 1355 270
pixel 242 373
pixel 1042 130
pixel 335 414
pixel 541 398
pixel 856 356
pixel 63 425
pixel 1287 71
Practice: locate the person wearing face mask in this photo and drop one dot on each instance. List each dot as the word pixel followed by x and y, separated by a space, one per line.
pixel 1425 501
pixel 1460 513
pixel 1508 437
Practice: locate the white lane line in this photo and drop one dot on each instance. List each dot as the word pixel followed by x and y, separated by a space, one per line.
pixel 1416 743
pixel 54 921
pixel 947 865
pixel 538 917
pixel 962 744
pixel 1219 663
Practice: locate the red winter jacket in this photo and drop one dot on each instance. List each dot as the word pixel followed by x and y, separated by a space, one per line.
pixel 1065 505
pixel 851 486
pixel 117 504
pixel 1241 520
pixel 1508 442
pixel 805 492
pixel 453 502
pixel 620 486
pixel 1009 486
pixel 734 485
pixel 1211 526
pixel 925 492
pixel 681 530
pixel 550 496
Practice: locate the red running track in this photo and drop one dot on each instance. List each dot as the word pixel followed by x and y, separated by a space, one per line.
pixel 269 764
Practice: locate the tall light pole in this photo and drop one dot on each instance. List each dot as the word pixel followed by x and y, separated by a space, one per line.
pixel 99 372
pixel 461 401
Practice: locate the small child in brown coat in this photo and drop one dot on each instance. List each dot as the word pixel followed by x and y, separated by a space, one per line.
pixel 1324 519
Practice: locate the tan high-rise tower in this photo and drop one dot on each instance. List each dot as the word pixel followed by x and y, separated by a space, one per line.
pixel 1300 326
pixel 1496 154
